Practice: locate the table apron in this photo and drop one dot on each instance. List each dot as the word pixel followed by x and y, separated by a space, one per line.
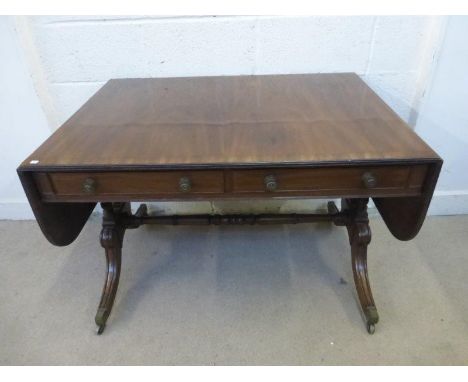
pixel 330 182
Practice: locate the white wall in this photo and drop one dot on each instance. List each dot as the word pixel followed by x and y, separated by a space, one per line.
pixel 69 58
pixel 22 122
pixel 443 120
pixel 78 54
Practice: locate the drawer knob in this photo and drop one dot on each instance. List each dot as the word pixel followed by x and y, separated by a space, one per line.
pixel 369 180
pixel 89 185
pixel 185 185
pixel 270 183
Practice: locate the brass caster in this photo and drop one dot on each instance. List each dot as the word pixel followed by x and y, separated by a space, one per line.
pixel 101 329
pixel 372 317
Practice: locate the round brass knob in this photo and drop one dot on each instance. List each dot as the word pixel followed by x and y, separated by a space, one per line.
pixel 270 183
pixel 369 180
pixel 185 184
pixel 89 185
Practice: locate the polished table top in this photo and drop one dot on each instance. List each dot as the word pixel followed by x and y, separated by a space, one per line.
pixel 228 121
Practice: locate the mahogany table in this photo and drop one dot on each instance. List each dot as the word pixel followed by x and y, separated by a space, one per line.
pixel 241 137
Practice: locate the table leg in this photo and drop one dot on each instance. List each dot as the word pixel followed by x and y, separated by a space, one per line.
pixel 359 238
pixel 111 237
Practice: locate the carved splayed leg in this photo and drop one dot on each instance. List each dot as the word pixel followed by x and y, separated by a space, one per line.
pixel 111 240
pixel 359 238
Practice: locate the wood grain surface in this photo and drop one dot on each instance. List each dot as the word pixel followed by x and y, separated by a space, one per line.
pixel 229 121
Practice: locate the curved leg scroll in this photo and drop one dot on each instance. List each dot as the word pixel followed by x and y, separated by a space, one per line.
pixel 359 238
pixel 111 240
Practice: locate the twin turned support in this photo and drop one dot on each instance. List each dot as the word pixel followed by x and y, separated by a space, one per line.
pixel 118 217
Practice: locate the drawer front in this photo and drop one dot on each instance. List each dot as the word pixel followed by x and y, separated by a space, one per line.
pixel 211 184
pixel 331 180
pixel 89 185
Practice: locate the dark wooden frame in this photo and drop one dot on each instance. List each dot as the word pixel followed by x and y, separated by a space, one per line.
pixel 328 135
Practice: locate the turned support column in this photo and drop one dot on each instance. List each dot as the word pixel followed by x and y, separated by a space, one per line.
pixel 356 221
pixel 359 238
pixel 111 238
pixel 114 224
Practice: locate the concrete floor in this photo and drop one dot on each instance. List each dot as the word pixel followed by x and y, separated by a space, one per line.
pixel 235 295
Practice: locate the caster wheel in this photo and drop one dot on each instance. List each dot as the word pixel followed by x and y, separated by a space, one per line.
pixel 101 329
pixel 370 328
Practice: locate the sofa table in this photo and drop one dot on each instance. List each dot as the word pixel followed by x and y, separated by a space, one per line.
pixel 237 137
